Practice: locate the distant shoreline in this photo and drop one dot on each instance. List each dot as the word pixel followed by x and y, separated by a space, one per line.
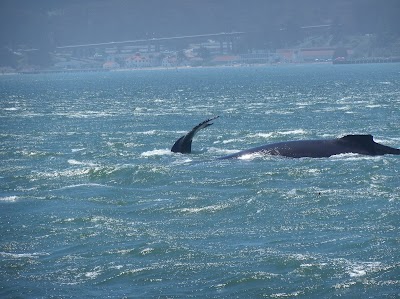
pixel 101 70
pixel 368 60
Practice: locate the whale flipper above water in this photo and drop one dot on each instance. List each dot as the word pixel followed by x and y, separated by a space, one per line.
pixel 184 144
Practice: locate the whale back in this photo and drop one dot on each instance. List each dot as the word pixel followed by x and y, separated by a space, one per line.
pixel 357 144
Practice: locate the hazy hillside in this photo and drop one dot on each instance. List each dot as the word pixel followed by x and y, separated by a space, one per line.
pixel 43 22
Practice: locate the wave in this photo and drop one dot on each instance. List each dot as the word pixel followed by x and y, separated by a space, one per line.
pixel 9 198
pixel 62 173
pixel 22 255
pixel 121 173
pixel 279 133
pixel 391 141
pixel 156 152
pixel 292 132
pixel 75 150
pixel 262 135
pixel 220 151
pixel 181 162
pixel 252 156
pixel 35 154
pixel 82 185
pixel 209 209
pixel 85 114
pixel 359 269
pixel 354 157
pixel 76 162
pixel 12 109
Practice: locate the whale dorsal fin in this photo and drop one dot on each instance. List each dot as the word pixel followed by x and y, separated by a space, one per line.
pixel 365 142
pixel 184 143
pixel 361 139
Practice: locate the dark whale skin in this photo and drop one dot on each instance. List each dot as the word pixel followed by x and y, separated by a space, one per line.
pixel 357 144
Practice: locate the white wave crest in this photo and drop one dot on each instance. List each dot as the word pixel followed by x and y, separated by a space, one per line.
pixel 74 150
pixel 211 209
pixel 248 157
pixel 9 198
pixel 21 255
pixel 361 269
pixel 157 152
pixel 279 133
pixel 181 162
pixel 82 185
pixel 354 157
pixel 293 132
pixel 231 140
pixel 76 162
pixel 221 151
pixel 262 135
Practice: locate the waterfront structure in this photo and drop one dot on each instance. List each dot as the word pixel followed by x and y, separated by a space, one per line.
pixel 140 60
pixel 169 61
pixel 321 54
pixel 111 65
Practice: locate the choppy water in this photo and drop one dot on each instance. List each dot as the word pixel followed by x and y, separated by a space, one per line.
pixel 93 204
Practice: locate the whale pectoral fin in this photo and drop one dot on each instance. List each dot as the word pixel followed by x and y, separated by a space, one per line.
pixel 202 125
pixel 176 148
pixel 184 144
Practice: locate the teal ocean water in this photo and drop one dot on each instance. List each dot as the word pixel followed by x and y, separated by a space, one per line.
pixel 93 204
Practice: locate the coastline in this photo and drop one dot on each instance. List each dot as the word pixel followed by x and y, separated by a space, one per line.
pixel 158 68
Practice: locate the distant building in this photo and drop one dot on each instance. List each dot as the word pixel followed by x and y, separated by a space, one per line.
pixel 225 60
pixel 316 54
pixel 169 61
pixel 71 64
pixel 307 54
pixel 255 58
pixel 140 61
pixel 288 55
pixel 111 65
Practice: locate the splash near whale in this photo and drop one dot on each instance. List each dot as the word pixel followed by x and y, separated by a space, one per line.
pixel 357 144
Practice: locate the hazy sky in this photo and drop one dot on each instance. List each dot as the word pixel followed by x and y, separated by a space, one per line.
pixel 36 22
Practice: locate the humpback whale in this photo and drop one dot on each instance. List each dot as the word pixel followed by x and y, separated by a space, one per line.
pixel 357 144
pixel 184 144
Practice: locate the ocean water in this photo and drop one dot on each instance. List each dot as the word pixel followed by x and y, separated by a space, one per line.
pixel 94 205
